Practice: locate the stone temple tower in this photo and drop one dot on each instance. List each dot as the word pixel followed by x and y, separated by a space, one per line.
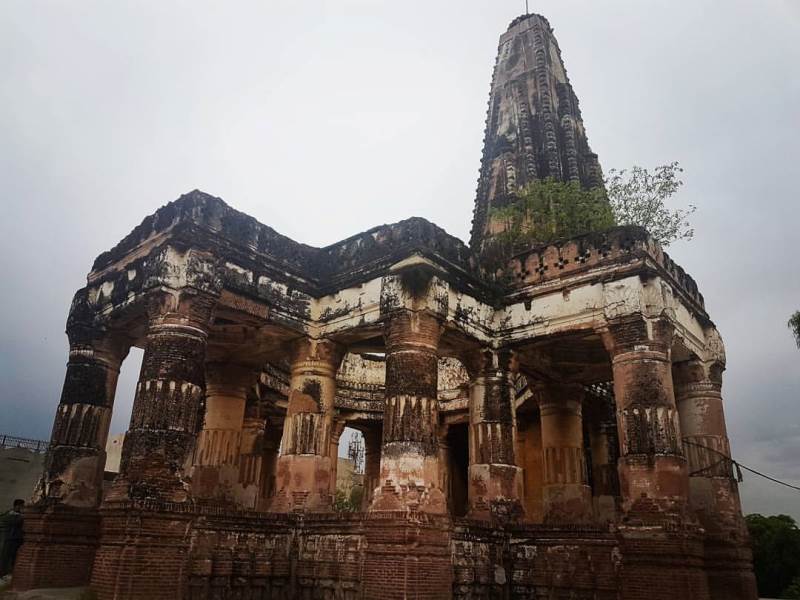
pixel 534 128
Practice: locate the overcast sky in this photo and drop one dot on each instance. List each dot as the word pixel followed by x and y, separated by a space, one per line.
pixel 322 119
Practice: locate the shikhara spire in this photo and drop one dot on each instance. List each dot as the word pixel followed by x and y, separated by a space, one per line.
pixel 534 128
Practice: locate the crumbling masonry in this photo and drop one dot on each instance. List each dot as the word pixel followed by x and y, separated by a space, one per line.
pixel 551 427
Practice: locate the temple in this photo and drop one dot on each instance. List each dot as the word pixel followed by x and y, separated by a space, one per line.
pixel 550 428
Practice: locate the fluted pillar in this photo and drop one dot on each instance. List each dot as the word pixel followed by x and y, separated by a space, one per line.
pixel 600 421
pixel 158 447
pixel 270 450
pixel 372 464
pixel 305 469
pixel 713 490
pixel 215 474
pixel 652 468
pixel 495 480
pixel 76 459
pixel 252 460
pixel 567 497
pixel 409 472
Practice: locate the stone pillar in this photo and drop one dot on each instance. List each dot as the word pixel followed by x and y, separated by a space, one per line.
pixel 713 490
pixel 159 444
pixel 62 525
pixel 372 464
pixel 494 480
pixel 271 444
pixel 713 493
pixel 409 472
pixel 600 421
pixel 252 459
pixel 76 459
pixel 304 469
pixel 215 474
pixel 337 429
pixel 566 495
pixel 652 468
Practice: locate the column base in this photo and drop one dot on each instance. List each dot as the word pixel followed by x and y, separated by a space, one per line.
pixel 729 567
pixel 143 552
pixel 495 492
pixel 59 549
pixel 407 557
pixel 409 483
pixel 222 485
pixel 653 486
pixel 303 484
pixel 662 563
pixel 567 503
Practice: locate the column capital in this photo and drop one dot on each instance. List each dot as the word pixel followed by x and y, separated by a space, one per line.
pixel 186 309
pixel 488 362
pixel 557 395
pixel 319 356
pixel 229 379
pixel 412 330
pixel 637 335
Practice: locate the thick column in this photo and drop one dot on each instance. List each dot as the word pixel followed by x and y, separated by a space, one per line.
pixel 158 447
pixel 652 468
pixel 372 464
pixel 76 459
pixel 337 429
pixel 252 458
pixel 62 525
pixel 600 421
pixel 409 474
pixel 566 495
pixel 305 470
pixel 494 481
pixel 270 450
pixel 215 474
pixel 713 491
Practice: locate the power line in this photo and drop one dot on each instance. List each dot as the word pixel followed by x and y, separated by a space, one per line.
pixel 737 464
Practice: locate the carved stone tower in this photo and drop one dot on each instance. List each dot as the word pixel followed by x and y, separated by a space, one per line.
pixel 534 128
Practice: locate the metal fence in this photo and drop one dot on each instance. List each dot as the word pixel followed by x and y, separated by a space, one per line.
pixel 9 441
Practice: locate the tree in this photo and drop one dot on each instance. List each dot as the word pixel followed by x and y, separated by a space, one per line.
pixel 549 209
pixel 545 210
pixel 793 591
pixel 776 553
pixel 638 197
pixel 794 325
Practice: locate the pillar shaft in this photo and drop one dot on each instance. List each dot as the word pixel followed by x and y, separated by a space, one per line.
pixel 600 422
pixel 158 447
pixel 409 472
pixel 713 493
pixel 652 468
pixel 76 459
pixel 372 464
pixel 566 495
pixel 215 474
pixel 270 450
pixel 495 480
pixel 251 462
pixel 305 467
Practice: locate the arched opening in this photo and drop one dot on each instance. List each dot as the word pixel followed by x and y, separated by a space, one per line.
pixel 350 480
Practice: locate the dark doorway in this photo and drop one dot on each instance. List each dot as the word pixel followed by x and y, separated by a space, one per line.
pixel 458 454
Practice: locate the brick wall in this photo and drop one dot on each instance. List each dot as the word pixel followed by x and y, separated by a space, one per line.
pixel 174 551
